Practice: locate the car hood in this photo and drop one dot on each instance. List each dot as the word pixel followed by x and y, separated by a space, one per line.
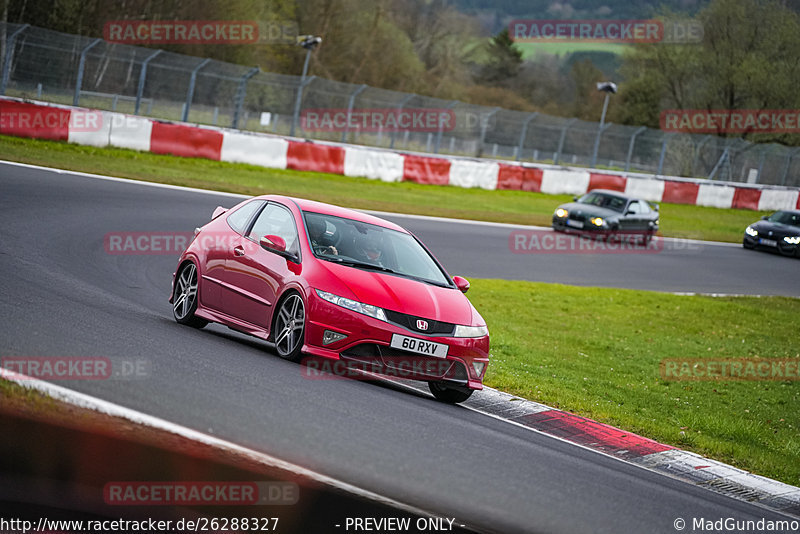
pixel 399 294
pixel 778 230
pixel 590 210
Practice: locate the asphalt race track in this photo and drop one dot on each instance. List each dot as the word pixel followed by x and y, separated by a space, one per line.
pixel 62 294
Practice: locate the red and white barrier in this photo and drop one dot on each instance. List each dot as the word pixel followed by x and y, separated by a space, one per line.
pixel 102 128
pixel 254 149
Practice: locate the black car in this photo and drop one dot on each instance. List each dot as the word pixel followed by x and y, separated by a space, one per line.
pixel 778 232
pixel 607 213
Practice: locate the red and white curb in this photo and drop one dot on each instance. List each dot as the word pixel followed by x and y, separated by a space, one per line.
pixel 104 128
pixel 632 448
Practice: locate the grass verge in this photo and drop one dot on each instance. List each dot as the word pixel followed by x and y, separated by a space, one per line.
pixel 406 197
pixel 597 352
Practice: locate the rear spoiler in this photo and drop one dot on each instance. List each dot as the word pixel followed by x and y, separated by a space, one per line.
pixel 219 210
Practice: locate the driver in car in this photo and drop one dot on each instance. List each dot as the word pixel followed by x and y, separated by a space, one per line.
pixel 317 231
pixel 370 249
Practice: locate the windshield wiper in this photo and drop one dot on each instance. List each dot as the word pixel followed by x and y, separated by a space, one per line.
pixel 362 265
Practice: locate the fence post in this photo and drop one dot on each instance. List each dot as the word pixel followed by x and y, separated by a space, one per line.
pixel 399 109
pixel 667 137
pixel 350 103
pixel 81 63
pixel 241 92
pixel 484 125
pixel 190 91
pixel 561 140
pixel 630 147
pixel 9 56
pixel 142 78
pixel 697 150
pixel 451 105
pixel 789 157
pixel 300 87
pixel 725 155
pixel 600 130
pixel 525 132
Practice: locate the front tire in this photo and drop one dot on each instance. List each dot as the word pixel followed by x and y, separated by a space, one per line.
pixel 449 394
pixel 289 327
pixel 184 297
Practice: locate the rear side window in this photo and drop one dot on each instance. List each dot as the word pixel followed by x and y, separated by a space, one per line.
pixel 239 219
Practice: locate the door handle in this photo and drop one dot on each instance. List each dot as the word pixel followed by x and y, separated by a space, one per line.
pixel 238 251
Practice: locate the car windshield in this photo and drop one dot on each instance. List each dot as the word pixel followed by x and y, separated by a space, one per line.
pixel 602 200
pixel 369 246
pixel 785 217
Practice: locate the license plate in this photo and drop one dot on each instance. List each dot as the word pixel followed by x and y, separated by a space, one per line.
pixel 420 346
pixel 768 242
pixel 574 224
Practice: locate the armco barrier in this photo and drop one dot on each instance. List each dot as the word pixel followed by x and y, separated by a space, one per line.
pixel 465 173
pixel 49 121
pixel 426 170
pixel 307 156
pixel 374 164
pixel 33 120
pixel 613 182
pixel 254 149
pixel 186 141
pixel 130 132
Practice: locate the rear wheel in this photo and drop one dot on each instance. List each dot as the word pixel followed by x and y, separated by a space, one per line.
pixel 184 297
pixel 449 394
pixel 289 327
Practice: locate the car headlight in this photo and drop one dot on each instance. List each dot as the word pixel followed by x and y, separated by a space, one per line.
pixel 597 221
pixel 561 213
pixel 470 331
pixel 792 240
pixel 752 232
pixel 353 305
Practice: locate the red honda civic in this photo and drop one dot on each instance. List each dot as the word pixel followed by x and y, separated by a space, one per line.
pixel 333 284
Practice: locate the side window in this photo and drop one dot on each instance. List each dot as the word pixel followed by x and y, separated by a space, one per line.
pixel 645 207
pixel 634 207
pixel 238 219
pixel 276 220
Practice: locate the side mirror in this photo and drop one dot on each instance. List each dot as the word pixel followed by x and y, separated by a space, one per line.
pixel 574 199
pixel 764 217
pixel 219 210
pixel 461 283
pixel 655 206
pixel 273 243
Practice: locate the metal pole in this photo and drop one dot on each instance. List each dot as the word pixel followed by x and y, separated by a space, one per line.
pixel 299 97
pixel 81 63
pixel 350 103
pixel 719 162
pixel 399 109
pixel 241 92
pixel 663 153
pixel 451 105
pixel 9 55
pixel 525 132
pixel 597 138
pixel 484 125
pixel 789 157
pixel 705 140
pixel 142 78
pixel 605 108
pixel 630 147
pixel 561 140
pixel 190 91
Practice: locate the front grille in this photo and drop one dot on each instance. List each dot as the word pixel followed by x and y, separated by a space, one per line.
pixel 404 364
pixel 409 322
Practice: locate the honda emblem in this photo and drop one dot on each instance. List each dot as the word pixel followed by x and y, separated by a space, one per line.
pixel 422 325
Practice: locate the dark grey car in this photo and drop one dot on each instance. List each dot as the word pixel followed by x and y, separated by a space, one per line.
pixel 779 232
pixel 608 213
